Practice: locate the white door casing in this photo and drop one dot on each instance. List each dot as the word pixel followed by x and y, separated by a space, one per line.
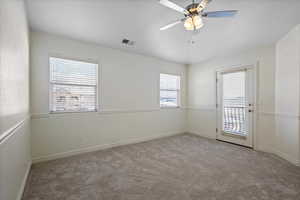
pixel 235 124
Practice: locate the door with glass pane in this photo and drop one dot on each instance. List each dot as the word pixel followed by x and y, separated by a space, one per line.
pixel 235 105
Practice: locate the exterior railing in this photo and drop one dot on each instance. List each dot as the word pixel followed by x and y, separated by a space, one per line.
pixel 234 119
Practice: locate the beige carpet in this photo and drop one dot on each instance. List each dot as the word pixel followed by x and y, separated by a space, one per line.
pixel 183 167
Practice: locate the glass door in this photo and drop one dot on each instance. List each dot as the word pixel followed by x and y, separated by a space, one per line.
pixel 235 106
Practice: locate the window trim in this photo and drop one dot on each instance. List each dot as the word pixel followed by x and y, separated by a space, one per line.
pixel 50 84
pixel 177 90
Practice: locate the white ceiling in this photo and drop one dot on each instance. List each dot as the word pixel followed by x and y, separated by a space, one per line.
pixel 107 22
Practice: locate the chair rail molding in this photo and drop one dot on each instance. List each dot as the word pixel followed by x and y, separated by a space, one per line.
pixel 11 131
pixel 202 108
pixel 103 112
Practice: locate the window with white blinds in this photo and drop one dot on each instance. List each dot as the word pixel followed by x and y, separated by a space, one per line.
pixel 73 85
pixel 169 90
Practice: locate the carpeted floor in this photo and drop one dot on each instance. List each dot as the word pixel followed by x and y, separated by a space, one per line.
pixel 182 167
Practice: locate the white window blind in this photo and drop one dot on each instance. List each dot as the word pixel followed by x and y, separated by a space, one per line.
pixel 169 90
pixel 73 85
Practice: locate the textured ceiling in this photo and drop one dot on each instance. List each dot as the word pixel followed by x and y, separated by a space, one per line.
pixel 107 22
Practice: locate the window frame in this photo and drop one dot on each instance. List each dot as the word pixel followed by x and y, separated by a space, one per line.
pixel 50 85
pixel 177 90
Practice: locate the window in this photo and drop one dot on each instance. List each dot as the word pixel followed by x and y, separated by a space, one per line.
pixel 169 90
pixel 73 86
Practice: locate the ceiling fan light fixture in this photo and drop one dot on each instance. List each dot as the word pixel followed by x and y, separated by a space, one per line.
pixel 188 24
pixel 193 23
pixel 198 23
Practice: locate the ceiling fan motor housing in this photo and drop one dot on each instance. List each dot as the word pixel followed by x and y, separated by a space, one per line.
pixel 192 8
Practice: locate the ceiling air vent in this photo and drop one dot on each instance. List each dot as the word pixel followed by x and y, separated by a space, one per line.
pixel 128 42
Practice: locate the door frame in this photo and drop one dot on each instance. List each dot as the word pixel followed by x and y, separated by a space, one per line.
pixel 254 67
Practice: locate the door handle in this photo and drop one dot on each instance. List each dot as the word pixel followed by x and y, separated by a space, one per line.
pixel 250 110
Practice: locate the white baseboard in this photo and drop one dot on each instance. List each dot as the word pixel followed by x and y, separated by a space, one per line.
pixel 280 154
pixel 210 136
pixel 144 139
pixel 101 147
pixel 285 156
pixel 288 158
pixel 23 184
pixel 266 150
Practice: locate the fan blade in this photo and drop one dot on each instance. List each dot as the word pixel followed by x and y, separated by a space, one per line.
pixel 171 24
pixel 202 5
pixel 225 13
pixel 174 6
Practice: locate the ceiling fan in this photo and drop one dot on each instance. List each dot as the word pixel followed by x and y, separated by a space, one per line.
pixel 193 14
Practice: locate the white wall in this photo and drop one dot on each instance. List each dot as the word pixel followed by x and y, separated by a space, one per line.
pixel 202 94
pixel 15 155
pixel 128 95
pixel 287 95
